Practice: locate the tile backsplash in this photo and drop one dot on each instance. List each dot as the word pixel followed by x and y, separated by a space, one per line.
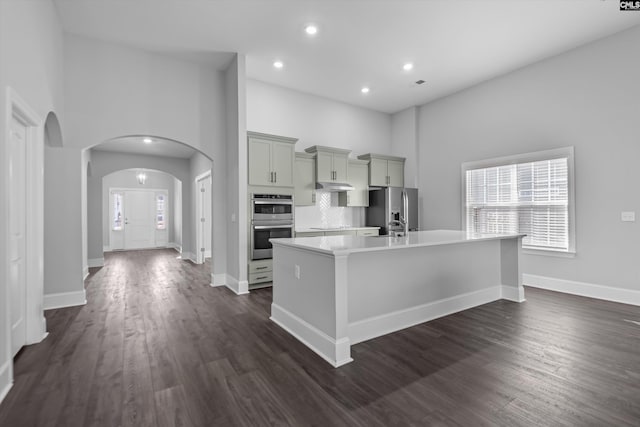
pixel 326 213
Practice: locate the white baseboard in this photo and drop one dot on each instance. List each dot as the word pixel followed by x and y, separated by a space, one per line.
pixel 511 293
pixel 175 246
pixel 207 254
pixel 188 256
pixel 95 262
pixel 6 382
pixel 372 327
pixel 238 287
pixel 85 272
pixel 64 299
pixel 591 290
pixel 218 279
pixel 337 353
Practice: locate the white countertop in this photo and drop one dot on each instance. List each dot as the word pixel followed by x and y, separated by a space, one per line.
pixel 342 245
pixel 320 229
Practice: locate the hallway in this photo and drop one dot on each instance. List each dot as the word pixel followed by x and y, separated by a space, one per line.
pixel 156 345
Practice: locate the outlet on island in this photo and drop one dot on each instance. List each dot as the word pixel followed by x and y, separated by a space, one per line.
pixel 296 271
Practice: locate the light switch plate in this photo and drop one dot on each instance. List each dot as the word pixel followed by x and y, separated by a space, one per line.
pixel 628 216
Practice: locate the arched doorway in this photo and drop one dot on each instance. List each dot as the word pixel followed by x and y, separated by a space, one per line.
pixel 131 155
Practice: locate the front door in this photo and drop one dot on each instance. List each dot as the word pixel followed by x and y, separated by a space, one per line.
pixel 139 220
pixel 17 230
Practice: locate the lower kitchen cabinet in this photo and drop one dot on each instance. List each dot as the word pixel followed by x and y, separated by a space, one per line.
pixel 260 272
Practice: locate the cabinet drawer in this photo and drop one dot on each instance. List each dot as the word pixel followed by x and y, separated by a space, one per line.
pixel 368 232
pixel 309 234
pixel 260 266
pixel 340 233
pixel 266 276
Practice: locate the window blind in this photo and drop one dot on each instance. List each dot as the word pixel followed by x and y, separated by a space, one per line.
pixel 530 198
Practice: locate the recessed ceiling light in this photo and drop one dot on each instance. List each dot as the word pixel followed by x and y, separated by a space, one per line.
pixel 311 29
pixel 364 90
pixel 147 140
pixel 278 64
pixel 408 66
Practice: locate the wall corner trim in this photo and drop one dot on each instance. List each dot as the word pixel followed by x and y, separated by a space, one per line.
pixel 590 290
pixel 6 382
pixel 64 299
pixel 238 287
pixel 95 262
pixel 218 279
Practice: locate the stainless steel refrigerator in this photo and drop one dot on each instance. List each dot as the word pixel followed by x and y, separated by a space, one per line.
pixel 385 205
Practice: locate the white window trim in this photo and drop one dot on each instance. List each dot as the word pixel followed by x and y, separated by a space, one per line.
pixel 567 152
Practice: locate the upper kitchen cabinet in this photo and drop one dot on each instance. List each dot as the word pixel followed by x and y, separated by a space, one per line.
pixel 385 171
pixel 305 180
pixel 331 163
pixel 359 180
pixel 271 159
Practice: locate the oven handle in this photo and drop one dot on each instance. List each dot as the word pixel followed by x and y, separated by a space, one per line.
pixel 277 202
pixel 263 227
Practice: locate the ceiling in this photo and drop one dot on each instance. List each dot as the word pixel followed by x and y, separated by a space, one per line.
pixel 453 44
pixel 158 147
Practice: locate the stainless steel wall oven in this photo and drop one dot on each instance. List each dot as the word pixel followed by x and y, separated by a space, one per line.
pixel 271 217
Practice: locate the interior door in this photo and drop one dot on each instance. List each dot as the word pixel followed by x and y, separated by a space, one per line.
pixel 203 218
pixel 139 220
pixel 17 231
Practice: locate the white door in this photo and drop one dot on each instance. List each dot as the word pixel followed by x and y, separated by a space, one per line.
pixel 17 231
pixel 139 220
pixel 203 209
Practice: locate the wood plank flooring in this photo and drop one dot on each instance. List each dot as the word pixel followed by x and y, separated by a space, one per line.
pixel 157 346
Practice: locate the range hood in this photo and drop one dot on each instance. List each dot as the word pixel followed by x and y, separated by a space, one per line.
pixel 333 186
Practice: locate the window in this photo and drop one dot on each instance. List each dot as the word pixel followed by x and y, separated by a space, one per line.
pixel 116 224
pixel 530 194
pixel 161 212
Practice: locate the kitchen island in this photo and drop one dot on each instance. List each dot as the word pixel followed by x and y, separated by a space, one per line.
pixel 332 292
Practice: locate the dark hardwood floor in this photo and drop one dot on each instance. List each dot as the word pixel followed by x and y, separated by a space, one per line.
pixel 156 345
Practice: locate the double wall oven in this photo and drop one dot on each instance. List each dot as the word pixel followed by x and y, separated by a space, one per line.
pixel 271 217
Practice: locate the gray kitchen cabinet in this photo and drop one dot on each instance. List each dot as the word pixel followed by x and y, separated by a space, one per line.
pixel 305 180
pixel 368 232
pixel 385 171
pixel 332 164
pixel 309 233
pixel 359 180
pixel 271 159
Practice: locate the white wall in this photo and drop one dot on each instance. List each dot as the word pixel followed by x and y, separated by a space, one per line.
pixel 588 98
pixel 30 63
pixel 128 179
pixel 315 120
pixel 112 91
pixel 404 143
pixel 236 188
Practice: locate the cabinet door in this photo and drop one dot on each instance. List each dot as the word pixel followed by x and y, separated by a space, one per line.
pixel 259 162
pixel 305 182
pixel 395 171
pixel 282 157
pixel 340 166
pixel 324 166
pixel 358 178
pixel 378 173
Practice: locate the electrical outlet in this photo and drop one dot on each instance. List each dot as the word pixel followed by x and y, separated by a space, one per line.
pixel 233 217
pixel 296 271
pixel 628 216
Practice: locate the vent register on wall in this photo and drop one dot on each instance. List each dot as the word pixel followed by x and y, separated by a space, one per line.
pixel 279 178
